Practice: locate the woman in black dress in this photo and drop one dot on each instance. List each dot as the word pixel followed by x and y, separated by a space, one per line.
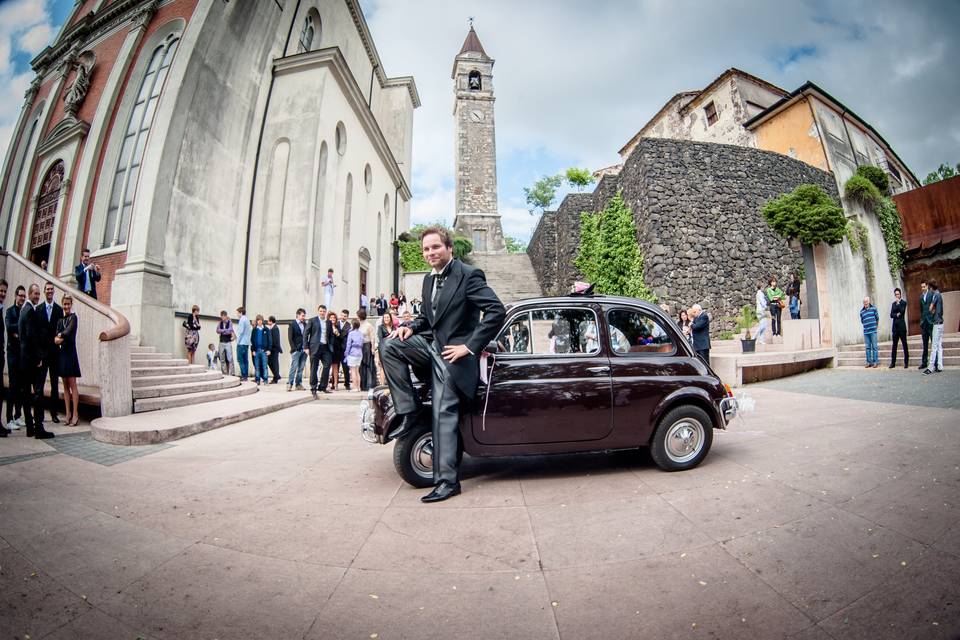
pixel 66 339
pixel 192 337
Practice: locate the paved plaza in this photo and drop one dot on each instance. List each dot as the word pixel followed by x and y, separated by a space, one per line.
pixel 820 516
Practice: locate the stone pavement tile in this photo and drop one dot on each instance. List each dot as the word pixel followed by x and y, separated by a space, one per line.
pixel 250 477
pixel 31 601
pixel 923 511
pixel 209 592
pixel 950 540
pixel 429 607
pixel 186 511
pixel 705 594
pixel 713 469
pixel 834 480
pixel 810 633
pixel 95 625
pixel 340 481
pixel 825 561
pixel 571 479
pixel 482 491
pixel 425 540
pixel 733 509
pixel 913 460
pixel 601 532
pixel 919 602
pixel 25 513
pixel 295 528
pixel 767 454
pixel 97 556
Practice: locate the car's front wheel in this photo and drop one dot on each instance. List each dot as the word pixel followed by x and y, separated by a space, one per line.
pixel 413 456
pixel 682 439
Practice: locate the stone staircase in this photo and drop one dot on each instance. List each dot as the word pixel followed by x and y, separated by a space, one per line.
pixel 854 355
pixel 510 275
pixel 161 381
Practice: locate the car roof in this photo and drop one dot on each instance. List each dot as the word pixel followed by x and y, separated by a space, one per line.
pixel 596 298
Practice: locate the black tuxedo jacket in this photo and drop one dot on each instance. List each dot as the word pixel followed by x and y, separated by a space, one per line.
pixel 33 339
pixel 49 327
pixel 295 336
pixel 81 274
pixel 898 311
pixel 457 319
pixel 275 339
pixel 11 320
pixel 312 336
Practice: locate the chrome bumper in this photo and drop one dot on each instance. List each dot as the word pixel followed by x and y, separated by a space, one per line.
pixel 729 409
pixel 367 421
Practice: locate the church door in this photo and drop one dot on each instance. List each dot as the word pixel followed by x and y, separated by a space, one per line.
pixel 46 215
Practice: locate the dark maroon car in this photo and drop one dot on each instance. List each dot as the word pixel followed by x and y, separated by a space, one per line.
pixel 574 374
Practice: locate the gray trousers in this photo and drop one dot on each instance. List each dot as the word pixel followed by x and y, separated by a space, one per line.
pixel 397 357
pixel 225 351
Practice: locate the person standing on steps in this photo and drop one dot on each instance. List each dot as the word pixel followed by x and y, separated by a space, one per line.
pixel 3 344
pixel 775 298
pixel 244 331
pixel 67 361
pixel 936 349
pixel 454 295
pixel 926 322
pixel 870 319
pixel 224 348
pixel 50 315
pixel 87 274
pixel 700 328
pixel 328 286
pixel 898 312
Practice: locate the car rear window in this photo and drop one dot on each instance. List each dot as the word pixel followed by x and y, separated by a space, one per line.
pixel 635 332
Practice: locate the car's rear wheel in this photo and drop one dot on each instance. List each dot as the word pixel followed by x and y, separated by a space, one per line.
pixel 682 439
pixel 413 456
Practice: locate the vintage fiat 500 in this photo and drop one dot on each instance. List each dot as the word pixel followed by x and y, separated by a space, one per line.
pixel 575 374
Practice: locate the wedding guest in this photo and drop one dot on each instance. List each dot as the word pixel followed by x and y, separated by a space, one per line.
pixel 260 343
pixel 368 364
pixel 870 319
pixel 69 363
pixel 793 294
pixel 683 319
pixel 700 327
pixel 339 346
pixel 936 348
pixel 763 306
pixel 49 313
pixel 775 298
pixel 14 373
pixel 225 349
pixel 244 330
pixel 328 285
pixel 354 353
pixel 87 274
pixel 387 326
pixel 298 353
pixel 342 348
pixel 898 312
pixel 273 360
pixel 212 357
pixel 192 337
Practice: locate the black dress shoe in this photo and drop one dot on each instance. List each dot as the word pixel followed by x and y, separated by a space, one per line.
pixel 54 419
pixel 3 432
pixel 406 425
pixel 442 491
pixel 313 392
pixel 43 434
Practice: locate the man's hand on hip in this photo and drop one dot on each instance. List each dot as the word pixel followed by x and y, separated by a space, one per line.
pixel 453 352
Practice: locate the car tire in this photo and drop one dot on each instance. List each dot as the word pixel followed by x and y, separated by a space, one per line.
pixel 682 438
pixel 413 456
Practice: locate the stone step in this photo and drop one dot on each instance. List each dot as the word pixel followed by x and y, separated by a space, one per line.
pixel 176 389
pixel 860 361
pixel 947 344
pixel 150 355
pixel 172 362
pixel 188 378
pixel 510 275
pixel 167 370
pixel 139 349
pixel 187 399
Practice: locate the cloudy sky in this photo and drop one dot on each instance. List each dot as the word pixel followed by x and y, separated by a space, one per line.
pixel 575 80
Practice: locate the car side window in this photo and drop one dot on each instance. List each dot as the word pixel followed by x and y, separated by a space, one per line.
pixel 635 332
pixel 562 331
pixel 515 337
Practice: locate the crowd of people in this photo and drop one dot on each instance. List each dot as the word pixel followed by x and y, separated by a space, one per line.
pixel 40 344
pixel 931 329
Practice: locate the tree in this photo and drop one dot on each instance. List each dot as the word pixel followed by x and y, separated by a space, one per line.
pixel 945 171
pixel 579 178
pixel 543 192
pixel 514 245
pixel 807 214
pixel 411 253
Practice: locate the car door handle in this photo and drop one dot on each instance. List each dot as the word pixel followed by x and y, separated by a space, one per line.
pixel 598 369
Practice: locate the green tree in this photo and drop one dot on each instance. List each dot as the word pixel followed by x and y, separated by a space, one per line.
pixel 945 171
pixel 543 192
pixel 411 253
pixel 609 256
pixel 514 245
pixel 579 178
pixel 808 214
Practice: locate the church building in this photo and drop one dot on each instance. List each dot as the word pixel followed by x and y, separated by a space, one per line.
pixel 212 152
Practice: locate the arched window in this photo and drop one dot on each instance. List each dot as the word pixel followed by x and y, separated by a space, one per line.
pixel 347 212
pixel 318 214
pixel 310 32
pixel 134 143
pixel 473 81
pixel 43 222
pixel 274 202
pixel 368 178
pixel 340 138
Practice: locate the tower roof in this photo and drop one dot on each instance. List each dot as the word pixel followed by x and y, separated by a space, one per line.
pixel 472 43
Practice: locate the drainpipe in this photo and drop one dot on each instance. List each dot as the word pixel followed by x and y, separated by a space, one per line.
pixel 370 92
pixel 256 158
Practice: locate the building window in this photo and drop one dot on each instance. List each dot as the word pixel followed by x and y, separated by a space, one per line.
pixel 474 82
pixel 134 143
pixel 340 139
pixel 309 32
pixel 272 222
pixel 46 216
pixel 318 215
pixel 711 112
pixel 368 178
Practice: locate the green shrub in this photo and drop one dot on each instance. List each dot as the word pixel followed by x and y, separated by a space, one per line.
pixel 746 319
pixel 724 335
pixel 461 247
pixel 411 254
pixel 862 190
pixel 807 214
pixel 859 237
pixel 892 230
pixel 876 175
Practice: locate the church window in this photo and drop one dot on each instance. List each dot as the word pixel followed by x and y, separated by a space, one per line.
pixel 318 215
pixel 134 143
pixel 47 203
pixel 347 213
pixel 309 32
pixel 368 178
pixel 473 81
pixel 711 112
pixel 340 138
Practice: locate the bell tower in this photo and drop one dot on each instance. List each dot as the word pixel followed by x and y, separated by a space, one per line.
pixel 476 154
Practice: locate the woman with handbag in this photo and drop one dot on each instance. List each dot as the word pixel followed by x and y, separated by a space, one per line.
pixel 777 303
pixel 192 337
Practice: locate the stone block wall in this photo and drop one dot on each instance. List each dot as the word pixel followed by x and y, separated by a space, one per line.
pixel 542 250
pixel 699 226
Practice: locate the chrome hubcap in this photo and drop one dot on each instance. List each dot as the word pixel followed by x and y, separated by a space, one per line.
pixel 422 455
pixel 684 440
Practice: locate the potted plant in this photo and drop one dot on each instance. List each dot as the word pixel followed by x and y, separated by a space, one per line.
pixel 747 318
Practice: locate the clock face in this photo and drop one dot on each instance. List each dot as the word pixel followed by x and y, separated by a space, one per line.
pixel 476 115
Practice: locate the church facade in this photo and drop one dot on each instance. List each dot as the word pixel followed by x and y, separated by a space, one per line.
pixel 212 152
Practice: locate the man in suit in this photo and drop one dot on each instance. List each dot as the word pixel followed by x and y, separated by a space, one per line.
pixel 49 314
pixel 3 393
pixel 298 356
pixel 273 360
pixel 454 295
pixel 14 370
pixel 926 322
pixel 700 327
pixel 898 312
pixel 87 274
pixel 34 348
pixel 319 340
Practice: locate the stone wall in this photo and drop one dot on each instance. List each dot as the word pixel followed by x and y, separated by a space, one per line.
pixel 553 245
pixel 697 210
pixel 542 250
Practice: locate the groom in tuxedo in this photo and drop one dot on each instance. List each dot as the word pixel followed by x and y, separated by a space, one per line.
pixel 454 295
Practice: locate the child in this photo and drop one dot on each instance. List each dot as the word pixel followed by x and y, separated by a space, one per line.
pixel 212 357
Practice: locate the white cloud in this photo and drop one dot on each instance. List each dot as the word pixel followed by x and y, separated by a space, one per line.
pixel 35 39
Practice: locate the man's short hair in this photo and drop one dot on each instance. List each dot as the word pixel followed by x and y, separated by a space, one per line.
pixel 300 310
pixel 697 307
pixel 933 285
pixel 19 288
pixel 362 314
pixel 923 282
pixel 48 283
pixel 321 306
pixel 344 311
pixel 897 290
pixel 3 283
pixel 242 311
pixel 223 314
pixel 444 234
pixel 272 319
pixel 330 270
pixel 84 250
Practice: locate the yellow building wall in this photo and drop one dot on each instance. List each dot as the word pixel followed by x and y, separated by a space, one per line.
pixel 793 132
